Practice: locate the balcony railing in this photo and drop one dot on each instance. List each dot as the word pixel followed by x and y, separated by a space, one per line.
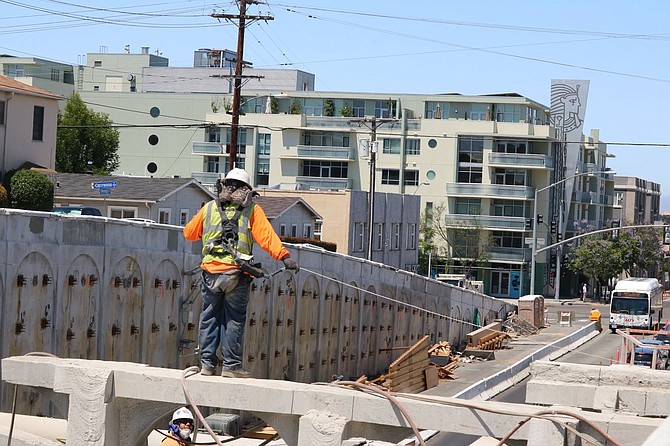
pixel 205 177
pixel 529 160
pixel 206 148
pixel 323 183
pixel 485 222
pixel 592 198
pixel 329 152
pixel 489 190
pixel 509 254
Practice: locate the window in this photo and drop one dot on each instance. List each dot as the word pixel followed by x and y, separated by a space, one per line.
pixel 508 208
pixel 55 74
pixel 2 112
pixel 282 229
pixel 307 230
pixel 395 236
pixel 264 140
pixel 318 228
pixel 468 206
pixel 359 237
pixel 294 230
pixel 262 172
pixel 429 214
pixel 164 216
pixel 511 177
pixel 383 109
pixel 508 112
pixel 97 63
pixel 212 164
pixel 379 236
pixel 506 239
pixel 325 169
pixel 38 123
pixel 358 108
pixel 411 236
pixel 470 160
pixel 183 217
pixel 412 146
pixel 313 107
pixel 328 139
pixel 465 243
pixel 437 110
pixel 513 147
pixel 480 112
pixel 618 198
pixel 411 178
pixel 390 176
pixel 96 88
pixel 122 212
pixel 391 145
pixel 14 70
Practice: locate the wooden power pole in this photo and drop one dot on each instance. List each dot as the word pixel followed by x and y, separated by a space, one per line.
pixel 243 20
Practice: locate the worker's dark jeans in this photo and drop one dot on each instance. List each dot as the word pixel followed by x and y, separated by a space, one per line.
pixel 222 321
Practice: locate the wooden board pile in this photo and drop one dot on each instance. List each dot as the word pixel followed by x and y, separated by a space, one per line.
pixel 490 337
pixel 446 363
pixel 516 325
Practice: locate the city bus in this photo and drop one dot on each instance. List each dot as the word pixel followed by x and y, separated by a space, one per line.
pixel 634 303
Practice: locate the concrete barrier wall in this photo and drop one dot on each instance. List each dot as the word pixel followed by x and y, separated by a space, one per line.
pixel 97 288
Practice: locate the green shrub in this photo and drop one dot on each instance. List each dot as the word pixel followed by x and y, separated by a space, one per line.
pixel 31 190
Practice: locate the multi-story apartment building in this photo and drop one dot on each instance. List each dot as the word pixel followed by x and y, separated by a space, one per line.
pixel 478 160
pixel 636 201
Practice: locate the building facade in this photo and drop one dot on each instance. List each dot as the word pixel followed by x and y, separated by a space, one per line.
pixel 636 201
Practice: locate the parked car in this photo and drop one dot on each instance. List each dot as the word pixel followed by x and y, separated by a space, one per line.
pixel 664 334
pixel 644 354
pixel 77 210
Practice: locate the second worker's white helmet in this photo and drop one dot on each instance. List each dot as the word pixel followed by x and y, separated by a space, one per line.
pixel 239 175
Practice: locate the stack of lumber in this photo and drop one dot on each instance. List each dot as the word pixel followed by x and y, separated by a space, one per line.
pixel 489 337
pixel 408 372
pixel 444 361
pixel 519 326
pixel 442 348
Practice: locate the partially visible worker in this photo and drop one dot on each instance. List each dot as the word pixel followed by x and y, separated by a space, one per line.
pixel 180 429
pixel 228 226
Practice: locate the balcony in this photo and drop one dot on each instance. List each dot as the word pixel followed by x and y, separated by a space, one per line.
pixel 520 255
pixel 205 177
pixel 592 198
pixel 491 222
pixel 521 160
pixel 206 148
pixel 325 152
pixel 322 183
pixel 490 190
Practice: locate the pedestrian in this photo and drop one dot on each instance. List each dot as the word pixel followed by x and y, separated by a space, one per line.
pixel 585 292
pixel 228 226
pixel 180 429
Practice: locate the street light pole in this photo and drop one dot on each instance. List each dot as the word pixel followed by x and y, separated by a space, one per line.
pixel 558 230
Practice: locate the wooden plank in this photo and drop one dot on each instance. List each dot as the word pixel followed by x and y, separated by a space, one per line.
pixel 422 344
pixel 397 375
pixel 416 360
pixel 417 374
pixel 432 379
pixel 475 337
pixel 411 387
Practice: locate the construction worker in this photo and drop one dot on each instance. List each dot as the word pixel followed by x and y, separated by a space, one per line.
pixel 181 427
pixel 227 227
pixel 595 316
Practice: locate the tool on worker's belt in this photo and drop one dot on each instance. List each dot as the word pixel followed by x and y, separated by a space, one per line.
pixel 244 260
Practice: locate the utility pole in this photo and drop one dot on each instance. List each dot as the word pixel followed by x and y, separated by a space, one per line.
pixel 372 123
pixel 243 21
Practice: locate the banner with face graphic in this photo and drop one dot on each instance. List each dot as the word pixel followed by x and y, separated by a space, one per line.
pixel 568 108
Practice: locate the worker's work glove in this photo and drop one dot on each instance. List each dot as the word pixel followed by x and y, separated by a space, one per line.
pixel 291 264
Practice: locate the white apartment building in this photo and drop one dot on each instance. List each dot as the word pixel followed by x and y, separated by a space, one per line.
pixel 480 158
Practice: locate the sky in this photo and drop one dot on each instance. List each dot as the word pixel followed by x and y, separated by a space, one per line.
pixel 387 46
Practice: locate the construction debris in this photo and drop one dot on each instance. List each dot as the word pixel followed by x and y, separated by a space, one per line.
pixel 516 326
pixel 490 337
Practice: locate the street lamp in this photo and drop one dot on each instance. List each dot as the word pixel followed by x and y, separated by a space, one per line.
pixel 534 246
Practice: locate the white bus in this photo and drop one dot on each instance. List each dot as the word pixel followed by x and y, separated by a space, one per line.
pixel 634 303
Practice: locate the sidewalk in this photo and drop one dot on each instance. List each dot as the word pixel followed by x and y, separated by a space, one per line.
pixel 485 379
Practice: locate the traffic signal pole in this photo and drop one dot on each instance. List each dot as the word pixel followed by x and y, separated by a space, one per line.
pixel 534 250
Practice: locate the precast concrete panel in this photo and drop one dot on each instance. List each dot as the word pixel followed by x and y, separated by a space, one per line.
pixel 349 332
pixel 282 330
pixel 455 327
pixel 30 322
pixel 331 309
pixel 160 324
pixel 307 326
pixel 257 334
pixel 386 339
pixel 78 307
pixel 190 307
pixel 369 330
pixel 121 328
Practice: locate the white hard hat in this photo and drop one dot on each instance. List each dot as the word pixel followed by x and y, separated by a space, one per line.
pixel 239 175
pixel 182 414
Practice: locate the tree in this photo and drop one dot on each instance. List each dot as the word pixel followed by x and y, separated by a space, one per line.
pixel 427 247
pixel 83 136
pixel 328 107
pixel 32 191
pixel 4 197
pixel 598 258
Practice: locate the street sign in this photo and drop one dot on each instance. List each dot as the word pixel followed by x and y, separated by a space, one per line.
pixel 541 241
pixel 105 191
pixel 103 184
